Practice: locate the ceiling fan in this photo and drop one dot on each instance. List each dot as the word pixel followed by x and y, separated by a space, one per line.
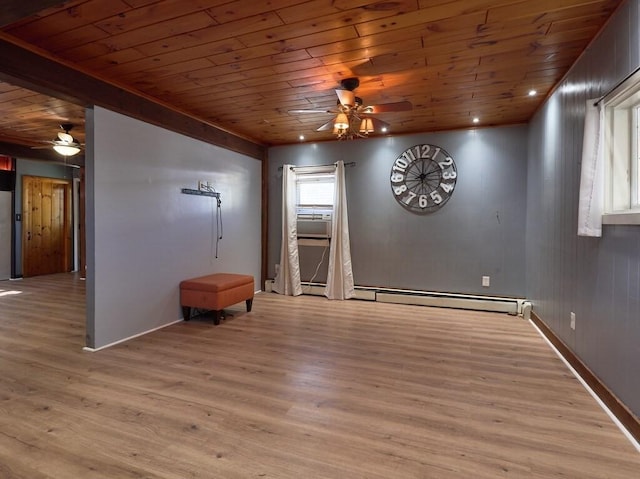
pixel 64 144
pixel 354 119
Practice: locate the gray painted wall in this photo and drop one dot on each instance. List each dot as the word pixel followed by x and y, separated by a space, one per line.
pixel 33 168
pixel 480 231
pixel 598 279
pixel 144 236
pixel 6 219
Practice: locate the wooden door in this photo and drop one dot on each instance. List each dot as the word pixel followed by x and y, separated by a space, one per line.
pixel 46 226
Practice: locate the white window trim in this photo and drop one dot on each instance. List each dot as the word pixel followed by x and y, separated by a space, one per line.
pixel 621 203
pixel 621 218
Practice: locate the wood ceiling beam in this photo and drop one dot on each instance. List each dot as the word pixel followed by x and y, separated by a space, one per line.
pixel 27 67
pixel 14 10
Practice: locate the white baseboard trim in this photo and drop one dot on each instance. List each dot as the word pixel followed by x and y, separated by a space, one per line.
pixel 94 350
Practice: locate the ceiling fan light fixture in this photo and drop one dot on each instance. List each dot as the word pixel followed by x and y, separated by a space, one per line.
pixel 66 150
pixel 342 122
pixel 366 126
pixel 353 119
pixel 65 144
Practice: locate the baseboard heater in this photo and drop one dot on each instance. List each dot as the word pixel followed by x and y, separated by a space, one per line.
pixel 514 306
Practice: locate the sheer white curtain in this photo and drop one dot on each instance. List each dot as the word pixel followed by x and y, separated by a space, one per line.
pixel 591 199
pixel 287 280
pixel 340 275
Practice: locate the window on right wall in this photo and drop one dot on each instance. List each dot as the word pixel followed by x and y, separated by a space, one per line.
pixel 622 153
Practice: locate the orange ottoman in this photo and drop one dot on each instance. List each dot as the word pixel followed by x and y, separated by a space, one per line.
pixel 215 292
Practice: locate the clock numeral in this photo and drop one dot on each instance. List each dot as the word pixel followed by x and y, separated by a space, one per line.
pixel 446 163
pixel 409 156
pixel 447 187
pixel 400 165
pixel 409 198
pixel 422 151
pixel 438 149
pixel 449 175
pixel 397 178
pixel 398 190
pixel 435 196
pixel 423 201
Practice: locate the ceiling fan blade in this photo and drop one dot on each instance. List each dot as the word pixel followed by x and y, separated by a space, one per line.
pixel 50 144
pixel 327 126
pixel 378 125
pixel 67 143
pixel 317 110
pixel 387 107
pixel 346 97
pixel 62 163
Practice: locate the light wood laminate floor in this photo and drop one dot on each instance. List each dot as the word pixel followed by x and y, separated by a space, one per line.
pixel 298 388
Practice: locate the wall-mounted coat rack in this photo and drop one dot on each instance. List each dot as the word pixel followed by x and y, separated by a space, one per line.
pixel 189 191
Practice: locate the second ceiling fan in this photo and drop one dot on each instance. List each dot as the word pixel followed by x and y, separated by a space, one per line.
pixel 64 143
pixel 353 118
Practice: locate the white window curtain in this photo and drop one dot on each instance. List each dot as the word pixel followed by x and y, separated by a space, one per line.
pixel 591 199
pixel 287 280
pixel 340 283
pixel 340 275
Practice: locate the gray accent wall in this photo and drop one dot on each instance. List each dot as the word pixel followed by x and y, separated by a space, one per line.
pixel 596 278
pixel 144 236
pixel 479 232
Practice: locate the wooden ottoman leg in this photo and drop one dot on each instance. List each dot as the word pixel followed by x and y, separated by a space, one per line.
pixel 217 317
pixel 249 304
pixel 186 313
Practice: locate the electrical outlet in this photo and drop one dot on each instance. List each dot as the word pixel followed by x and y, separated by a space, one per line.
pixel 573 321
pixel 486 281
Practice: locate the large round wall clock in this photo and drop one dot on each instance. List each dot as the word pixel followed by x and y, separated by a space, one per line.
pixel 423 178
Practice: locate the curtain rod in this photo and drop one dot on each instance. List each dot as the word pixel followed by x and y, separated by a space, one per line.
pixel 351 163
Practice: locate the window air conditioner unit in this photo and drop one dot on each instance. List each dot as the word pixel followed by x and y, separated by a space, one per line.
pixel 314 222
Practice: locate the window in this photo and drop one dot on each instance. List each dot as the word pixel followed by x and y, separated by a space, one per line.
pixel 314 193
pixel 622 153
pixel 314 204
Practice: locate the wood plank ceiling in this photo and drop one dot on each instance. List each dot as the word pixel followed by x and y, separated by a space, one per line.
pixel 242 65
